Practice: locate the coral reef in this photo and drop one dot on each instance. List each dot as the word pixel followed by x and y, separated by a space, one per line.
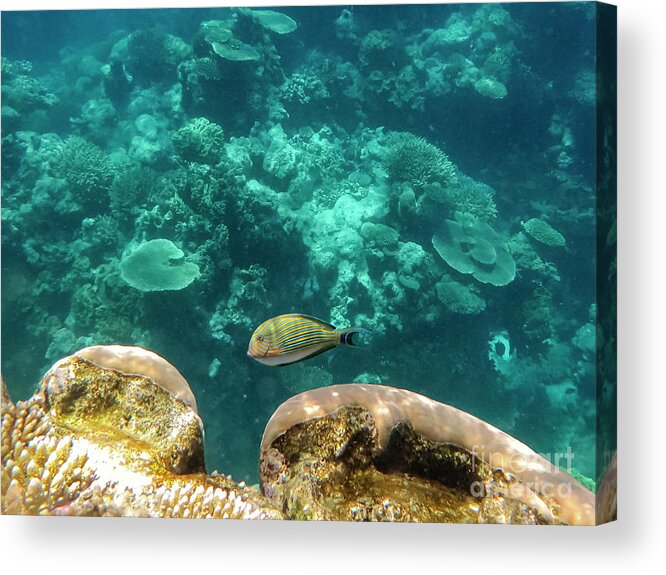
pixel 113 431
pixel 304 161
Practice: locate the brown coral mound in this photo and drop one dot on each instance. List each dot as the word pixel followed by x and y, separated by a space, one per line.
pixel 362 451
pixel 105 440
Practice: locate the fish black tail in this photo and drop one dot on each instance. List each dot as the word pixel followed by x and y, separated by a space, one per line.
pixel 347 335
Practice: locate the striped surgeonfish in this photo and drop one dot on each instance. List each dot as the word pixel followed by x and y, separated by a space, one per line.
pixel 294 337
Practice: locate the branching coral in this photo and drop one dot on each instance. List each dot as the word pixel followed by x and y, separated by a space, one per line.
pixel 131 190
pixel 303 89
pixel 527 258
pixel 413 160
pixel 459 298
pixel 468 197
pixel 87 170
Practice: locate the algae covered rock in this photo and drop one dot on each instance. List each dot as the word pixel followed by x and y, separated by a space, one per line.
pixel 372 452
pixel 111 431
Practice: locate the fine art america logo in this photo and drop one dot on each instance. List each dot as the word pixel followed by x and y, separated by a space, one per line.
pixel 531 474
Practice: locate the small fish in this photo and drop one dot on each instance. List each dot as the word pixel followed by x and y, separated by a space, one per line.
pixel 294 337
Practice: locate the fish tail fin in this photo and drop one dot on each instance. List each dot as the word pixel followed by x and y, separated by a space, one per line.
pixel 346 335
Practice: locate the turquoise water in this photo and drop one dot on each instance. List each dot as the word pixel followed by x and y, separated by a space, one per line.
pixel 424 172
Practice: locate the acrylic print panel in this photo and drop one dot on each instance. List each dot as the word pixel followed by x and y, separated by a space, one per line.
pixel 369 249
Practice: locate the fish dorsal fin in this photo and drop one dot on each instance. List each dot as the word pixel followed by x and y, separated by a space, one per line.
pixel 313 318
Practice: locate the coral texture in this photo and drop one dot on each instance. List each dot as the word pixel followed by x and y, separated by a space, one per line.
pixel 543 232
pixel 199 141
pixel 414 160
pixel 380 453
pixel 105 441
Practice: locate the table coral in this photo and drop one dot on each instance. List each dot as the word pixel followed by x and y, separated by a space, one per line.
pixel 274 21
pixel 154 266
pixel 471 246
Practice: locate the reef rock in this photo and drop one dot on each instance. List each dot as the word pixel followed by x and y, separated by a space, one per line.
pixel 371 452
pixel 114 431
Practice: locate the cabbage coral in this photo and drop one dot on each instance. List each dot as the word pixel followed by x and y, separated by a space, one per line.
pixel 471 246
pixel 199 141
pixel 413 160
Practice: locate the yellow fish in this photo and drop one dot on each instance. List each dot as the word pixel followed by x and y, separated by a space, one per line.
pixel 294 337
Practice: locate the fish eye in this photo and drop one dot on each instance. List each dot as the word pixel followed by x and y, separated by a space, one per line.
pixel 260 338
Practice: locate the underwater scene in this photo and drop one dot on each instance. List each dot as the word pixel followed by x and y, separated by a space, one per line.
pixel 281 200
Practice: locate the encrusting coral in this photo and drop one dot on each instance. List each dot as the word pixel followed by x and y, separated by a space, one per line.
pixel 371 452
pixel 111 439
